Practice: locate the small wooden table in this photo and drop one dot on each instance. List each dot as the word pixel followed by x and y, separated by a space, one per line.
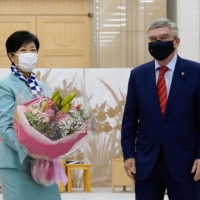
pixel 86 173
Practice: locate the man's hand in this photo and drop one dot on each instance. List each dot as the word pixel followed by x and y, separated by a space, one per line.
pixel 196 167
pixel 129 166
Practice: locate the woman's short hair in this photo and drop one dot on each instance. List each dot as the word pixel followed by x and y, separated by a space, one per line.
pixel 18 38
pixel 164 23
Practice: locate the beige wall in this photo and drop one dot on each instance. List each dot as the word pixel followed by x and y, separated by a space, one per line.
pixel 120 28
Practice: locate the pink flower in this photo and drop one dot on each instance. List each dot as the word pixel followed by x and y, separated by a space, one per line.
pixel 51 114
pixel 50 103
pixel 45 119
pixel 34 111
pixel 78 107
pixel 62 115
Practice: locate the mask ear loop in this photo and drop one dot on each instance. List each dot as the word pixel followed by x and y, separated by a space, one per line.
pixel 13 63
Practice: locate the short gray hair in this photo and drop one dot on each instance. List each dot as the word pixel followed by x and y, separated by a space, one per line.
pixel 163 23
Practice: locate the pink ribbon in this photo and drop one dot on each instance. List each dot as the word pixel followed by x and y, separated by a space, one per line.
pixel 59 172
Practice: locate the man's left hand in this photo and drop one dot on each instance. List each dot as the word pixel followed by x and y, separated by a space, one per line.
pixel 196 169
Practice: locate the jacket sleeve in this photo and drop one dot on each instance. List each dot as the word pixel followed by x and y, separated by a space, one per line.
pixel 198 110
pixel 130 120
pixel 7 133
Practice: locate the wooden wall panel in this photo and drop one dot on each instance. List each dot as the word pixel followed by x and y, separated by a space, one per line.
pixel 65 41
pixel 9 24
pixel 62 26
pixel 45 7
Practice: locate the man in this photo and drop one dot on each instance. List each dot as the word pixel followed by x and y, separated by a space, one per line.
pixel 161 122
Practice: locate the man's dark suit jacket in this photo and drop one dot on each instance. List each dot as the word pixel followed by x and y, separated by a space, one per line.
pixel 145 130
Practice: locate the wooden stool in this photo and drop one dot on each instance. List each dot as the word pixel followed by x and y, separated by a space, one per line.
pixel 86 174
pixel 119 176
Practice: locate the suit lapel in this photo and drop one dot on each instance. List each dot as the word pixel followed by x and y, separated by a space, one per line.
pixel 150 81
pixel 178 79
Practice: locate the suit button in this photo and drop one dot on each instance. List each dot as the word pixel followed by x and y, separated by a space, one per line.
pixel 163 124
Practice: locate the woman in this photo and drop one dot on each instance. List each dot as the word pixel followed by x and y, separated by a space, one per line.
pixel 22 49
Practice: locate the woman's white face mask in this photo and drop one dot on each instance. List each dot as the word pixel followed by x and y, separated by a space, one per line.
pixel 27 61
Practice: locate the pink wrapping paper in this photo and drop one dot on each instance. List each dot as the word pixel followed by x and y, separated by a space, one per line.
pixel 46 169
pixel 37 144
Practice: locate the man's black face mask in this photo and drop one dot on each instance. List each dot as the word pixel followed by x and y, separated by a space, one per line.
pixel 160 50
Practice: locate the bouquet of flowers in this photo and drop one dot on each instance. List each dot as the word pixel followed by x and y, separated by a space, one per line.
pixel 55 117
pixel 49 127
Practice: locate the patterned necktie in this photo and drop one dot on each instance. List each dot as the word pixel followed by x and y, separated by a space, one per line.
pixel 162 89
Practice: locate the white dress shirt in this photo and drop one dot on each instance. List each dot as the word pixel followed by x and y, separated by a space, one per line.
pixel 168 74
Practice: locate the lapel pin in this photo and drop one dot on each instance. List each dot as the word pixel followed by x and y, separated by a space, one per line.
pixel 183 73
